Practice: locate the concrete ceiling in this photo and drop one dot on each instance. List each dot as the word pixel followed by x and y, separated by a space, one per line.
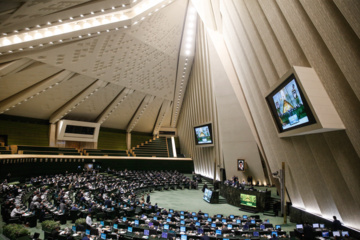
pixel 123 75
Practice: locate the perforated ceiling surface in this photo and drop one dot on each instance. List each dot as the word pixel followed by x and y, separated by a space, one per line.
pixel 119 77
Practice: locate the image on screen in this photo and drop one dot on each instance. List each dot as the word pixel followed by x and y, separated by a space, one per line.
pixel 218 232
pixel 299 226
pixel 103 236
pixel 247 200
pixel 193 213
pixel 182 212
pixel 255 234
pixel 166 226
pixel 195 218
pixel 203 134
pixel 182 217
pixel 315 225
pixel 223 220
pixel 171 210
pixel 74 228
pixel 262 226
pixel 252 221
pixel 209 220
pixel 183 237
pixel 168 220
pixel 325 234
pixel 206 215
pixel 146 232
pixel 244 217
pixel 322 225
pixel 182 222
pixel 169 215
pixel 336 234
pixel 115 226
pixel 136 222
pixel 155 218
pixel 102 223
pixel 164 235
pixel 130 229
pixel 289 107
pixel 344 233
pixel 238 221
pixel 197 224
pixel 229 226
pixel 274 233
pixel 277 227
pixel 231 216
pixel 182 229
pixel 124 219
pixel 213 225
pixel 87 232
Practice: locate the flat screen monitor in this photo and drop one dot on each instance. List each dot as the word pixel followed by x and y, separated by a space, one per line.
pixel 218 232
pixel 203 135
pixel 168 220
pixel 130 229
pixel 223 220
pixel 74 228
pixel 218 216
pixel 277 227
pixel 207 195
pixel 274 233
pixel 299 226
pixel 182 212
pixel 206 215
pixel 195 218
pixel 289 107
pixel 247 200
pixel 115 226
pixel 182 229
pixel 166 226
pixel 169 215
pixel 252 222
pixel 171 210
pixel 193 213
pixel 182 217
pixel 158 213
pixel 325 234
pixel 213 225
pixel 262 226
pixel 229 226
pixel 155 218
pixel 164 235
pixel 244 217
pixel 87 232
pixel 183 237
pixel 238 221
pixel 226 239
pixel 182 222
pixel 151 224
pixel 255 234
pixel 344 233
pixel 336 234
pixel 232 216
pixel 146 232
pixel 136 222
pixel 102 223
pixel 124 219
pixel 315 225
pixel 103 236
pixel 209 220
pixel 197 224
pixel 322 225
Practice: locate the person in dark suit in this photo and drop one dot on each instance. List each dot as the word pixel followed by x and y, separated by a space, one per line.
pixel 107 202
pixel 55 233
pixel 308 232
pixel 336 224
pixel 148 198
pixel 274 237
pixel 204 237
pixel 86 237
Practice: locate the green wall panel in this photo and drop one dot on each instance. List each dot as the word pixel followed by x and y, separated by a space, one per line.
pixel 23 133
pixel 138 138
pixel 112 140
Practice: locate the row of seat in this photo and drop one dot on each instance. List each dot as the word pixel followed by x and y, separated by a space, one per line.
pixel 156 147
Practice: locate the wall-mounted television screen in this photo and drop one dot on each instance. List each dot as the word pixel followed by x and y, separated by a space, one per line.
pixel 203 135
pixel 289 107
pixel 207 195
pixel 248 200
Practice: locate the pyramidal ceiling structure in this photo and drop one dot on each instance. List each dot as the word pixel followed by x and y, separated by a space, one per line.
pixel 124 64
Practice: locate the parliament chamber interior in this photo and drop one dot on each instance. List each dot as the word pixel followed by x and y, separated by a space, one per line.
pixel 179 119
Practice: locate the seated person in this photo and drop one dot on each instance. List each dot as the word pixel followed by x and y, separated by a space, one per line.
pixel 16 212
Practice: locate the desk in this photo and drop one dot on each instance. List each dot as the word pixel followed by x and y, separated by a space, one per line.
pixel 232 196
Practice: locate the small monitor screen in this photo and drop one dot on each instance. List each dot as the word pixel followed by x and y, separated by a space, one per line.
pixel 253 222
pixel 136 222
pixel 229 226
pixel 203 134
pixel 262 226
pixel 325 234
pixel 197 224
pixel 218 232
pixel 207 195
pixel 130 229
pixel 87 232
pixel 164 235
pixel 299 226
pixel 146 232
pixel 218 216
pixel 155 218
pixel 248 200
pixel 169 215
pixel 103 236
pixel 182 212
pixel 223 220
pixel 158 213
pixel 151 224
pixel 277 227
pixel 168 220
pixel 115 226
pixel 182 222
pixel 206 215
pixel 225 238
pixel 171 210
pixel 274 233
pixel 238 221
pixel 182 229
pixel 289 107
pixel 195 218
pixel 255 234
pixel 213 225
pixel 344 233
pixel 124 219
pixel 315 225
pixel 166 226
pixel 74 228
pixel 182 217
pixel 322 225
pixel 232 216
pixel 193 213
pixel 336 234
pixel 102 223
pixel 183 237
pixel 209 219
pixel 244 216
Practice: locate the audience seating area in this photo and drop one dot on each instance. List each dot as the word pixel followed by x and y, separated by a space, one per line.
pixel 105 152
pixel 156 147
pixel 5 150
pixel 38 150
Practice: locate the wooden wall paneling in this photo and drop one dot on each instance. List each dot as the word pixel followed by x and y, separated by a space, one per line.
pixel 350 9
